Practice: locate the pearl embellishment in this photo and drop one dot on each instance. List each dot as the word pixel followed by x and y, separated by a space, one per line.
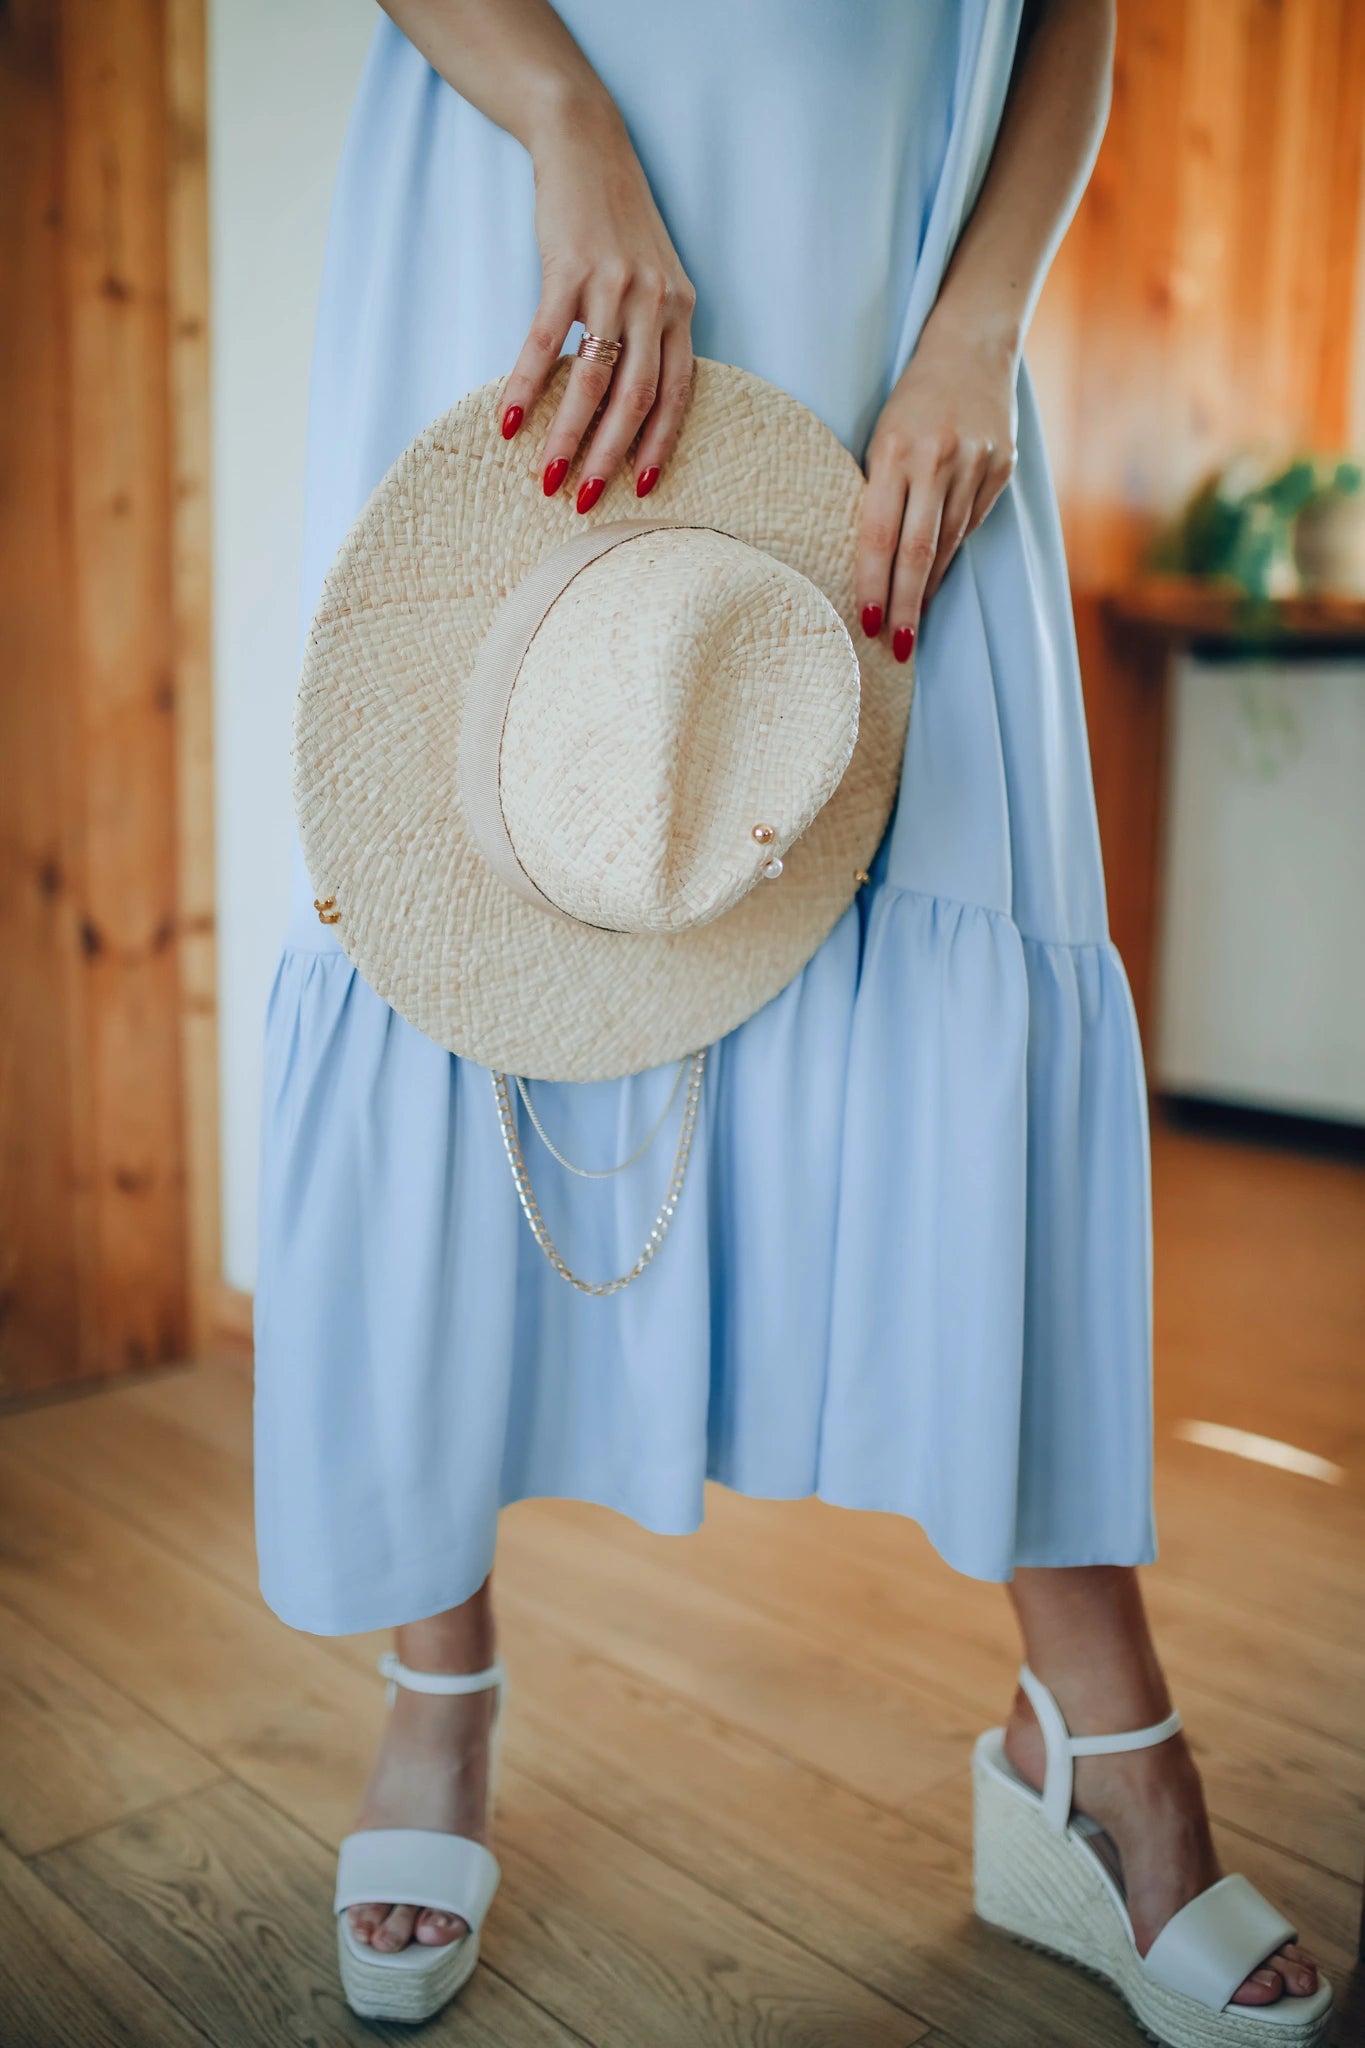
pixel 772 869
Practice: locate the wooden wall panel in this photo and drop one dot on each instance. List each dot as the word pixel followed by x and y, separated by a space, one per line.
pixel 43 1120
pixel 104 750
pixel 122 736
pixel 191 627
pixel 1202 302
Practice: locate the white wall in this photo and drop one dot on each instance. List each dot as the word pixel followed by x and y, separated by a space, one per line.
pixel 282 74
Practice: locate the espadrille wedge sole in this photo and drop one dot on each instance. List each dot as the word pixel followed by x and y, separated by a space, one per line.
pixel 417 1867
pixel 384 1988
pixel 1039 1878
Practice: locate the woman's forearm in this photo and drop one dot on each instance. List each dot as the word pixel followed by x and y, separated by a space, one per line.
pixel 606 257
pixel 943 449
pixel 512 59
pixel 1049 137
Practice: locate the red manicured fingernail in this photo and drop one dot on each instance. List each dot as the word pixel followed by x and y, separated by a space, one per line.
pixel 902 641
pixel 872 620
pixel 645 481
pixel 589 491
pixel 511 420
pixel 555 473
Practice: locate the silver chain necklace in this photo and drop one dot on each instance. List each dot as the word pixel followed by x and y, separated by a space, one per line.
pixel 695 1066
pixel 605 1172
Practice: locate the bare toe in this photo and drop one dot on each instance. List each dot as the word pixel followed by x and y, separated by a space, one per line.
pixel 365 1919
pixel 1262 1987
pixel 1290 1972
pixel 396 1931
pixel 436 1928
pixel 1298 1968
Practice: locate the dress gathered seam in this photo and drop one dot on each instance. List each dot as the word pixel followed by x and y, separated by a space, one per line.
pixel 885 887
pixel 1100 945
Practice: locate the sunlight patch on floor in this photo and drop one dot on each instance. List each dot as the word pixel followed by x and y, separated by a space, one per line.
pixel 1261 1450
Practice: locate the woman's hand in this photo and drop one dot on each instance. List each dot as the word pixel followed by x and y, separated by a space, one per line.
pixel 940 455
pixel 605 255
pixel 606 259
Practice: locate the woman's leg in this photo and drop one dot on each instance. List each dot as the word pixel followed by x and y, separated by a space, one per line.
pixel 1086 1636
pixel 432 1767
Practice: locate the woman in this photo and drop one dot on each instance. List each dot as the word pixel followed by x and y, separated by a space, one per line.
pixel 911 1270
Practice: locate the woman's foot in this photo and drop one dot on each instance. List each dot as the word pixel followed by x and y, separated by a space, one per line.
pixel 433 1766
pixel 1086 1636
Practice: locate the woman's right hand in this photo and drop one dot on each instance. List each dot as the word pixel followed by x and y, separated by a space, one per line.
pixel 607 260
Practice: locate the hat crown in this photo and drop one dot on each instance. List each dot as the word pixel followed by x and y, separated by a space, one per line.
pixel 684 690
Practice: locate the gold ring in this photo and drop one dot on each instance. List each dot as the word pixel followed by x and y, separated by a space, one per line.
pixel 595 348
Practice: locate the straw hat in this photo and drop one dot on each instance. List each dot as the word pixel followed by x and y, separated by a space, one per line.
pixel 580 793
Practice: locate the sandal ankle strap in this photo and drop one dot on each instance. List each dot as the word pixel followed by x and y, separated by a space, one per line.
pixel 397 1673
pixel 1061 1747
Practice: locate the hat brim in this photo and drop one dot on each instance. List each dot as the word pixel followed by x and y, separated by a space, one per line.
pixel 449 532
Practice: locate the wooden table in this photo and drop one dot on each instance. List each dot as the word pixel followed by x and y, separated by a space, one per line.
pixel 1188 609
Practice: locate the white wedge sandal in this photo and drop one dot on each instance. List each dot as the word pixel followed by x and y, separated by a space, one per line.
pixel 1043 1875
pixel 418 1867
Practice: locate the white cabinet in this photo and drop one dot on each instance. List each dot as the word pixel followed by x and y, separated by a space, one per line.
pixel 1261 984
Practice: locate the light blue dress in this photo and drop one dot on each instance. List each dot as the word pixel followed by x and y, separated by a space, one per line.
pixel 911 1265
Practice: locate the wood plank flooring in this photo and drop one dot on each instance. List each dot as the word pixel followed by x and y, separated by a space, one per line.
pixel 734 1810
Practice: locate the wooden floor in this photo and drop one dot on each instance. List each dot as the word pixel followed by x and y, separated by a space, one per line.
pixel 735 1802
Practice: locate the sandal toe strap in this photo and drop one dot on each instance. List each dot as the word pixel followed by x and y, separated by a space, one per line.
pixel 416 1867
pixel 1211 1945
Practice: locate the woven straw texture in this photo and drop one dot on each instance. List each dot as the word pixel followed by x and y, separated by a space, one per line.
pixel 684 689
pixel 684 761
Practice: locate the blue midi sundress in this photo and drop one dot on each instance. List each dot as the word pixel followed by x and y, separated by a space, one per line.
pixel 910 1269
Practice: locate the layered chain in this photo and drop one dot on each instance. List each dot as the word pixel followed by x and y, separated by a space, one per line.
pixel 605 1172
pixel 521 1180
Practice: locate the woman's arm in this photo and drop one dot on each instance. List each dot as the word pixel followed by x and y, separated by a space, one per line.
pixel 606 257
pixel 943 449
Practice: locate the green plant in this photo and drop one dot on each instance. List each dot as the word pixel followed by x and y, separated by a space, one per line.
pixel 1238 524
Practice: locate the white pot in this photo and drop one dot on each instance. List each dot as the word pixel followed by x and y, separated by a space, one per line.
pixel 1329 546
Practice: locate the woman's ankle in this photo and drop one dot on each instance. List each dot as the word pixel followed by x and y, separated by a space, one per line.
pixel 1116 1698
pixel 1087 1639
pixel 1111 1788
pixel 463 1638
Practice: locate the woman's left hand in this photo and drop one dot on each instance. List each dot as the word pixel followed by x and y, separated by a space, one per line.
pixel 940 455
